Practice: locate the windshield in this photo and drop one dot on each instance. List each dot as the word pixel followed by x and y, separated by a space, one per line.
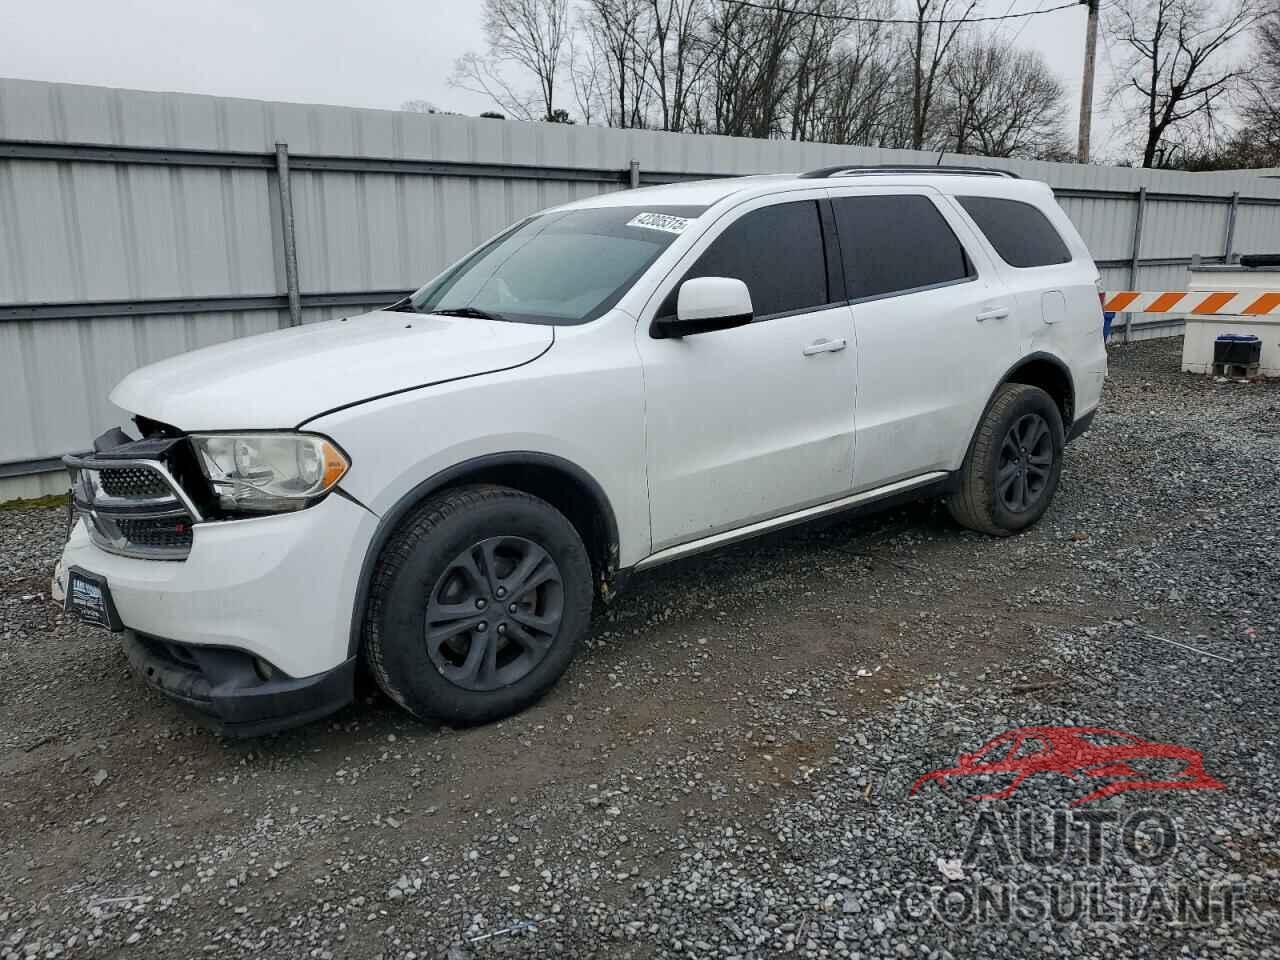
pixel 557 268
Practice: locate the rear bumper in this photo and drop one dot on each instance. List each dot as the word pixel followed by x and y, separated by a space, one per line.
pixel 224 691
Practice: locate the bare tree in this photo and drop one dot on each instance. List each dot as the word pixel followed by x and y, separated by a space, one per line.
pixel 586 77
pixel 1000 102
pixel 1178 67
pixel 861 104
pixel 419 106
pixel 1261 101
pixel 483 75
pixel 426 106
pixel 813 56
pixel 677 57
pixel 803 69
pixel 617 32
pixel 849 98
pixel 530 36
pixel 937 23
pixel 753 64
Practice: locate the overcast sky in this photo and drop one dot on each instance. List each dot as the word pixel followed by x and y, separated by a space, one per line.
pixel 371 53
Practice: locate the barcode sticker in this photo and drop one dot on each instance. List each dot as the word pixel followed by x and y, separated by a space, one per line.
pixel 660 221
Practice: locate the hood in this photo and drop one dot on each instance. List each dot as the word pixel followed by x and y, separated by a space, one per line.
pixel 283 378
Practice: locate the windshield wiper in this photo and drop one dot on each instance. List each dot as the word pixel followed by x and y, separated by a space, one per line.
pixel 471 312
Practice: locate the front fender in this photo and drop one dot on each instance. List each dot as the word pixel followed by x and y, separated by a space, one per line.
pixel 391 519
pixel 583 408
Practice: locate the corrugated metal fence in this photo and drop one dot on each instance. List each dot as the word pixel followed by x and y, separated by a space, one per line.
pixel 138 225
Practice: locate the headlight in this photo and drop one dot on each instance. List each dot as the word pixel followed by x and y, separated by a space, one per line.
pixel 269 472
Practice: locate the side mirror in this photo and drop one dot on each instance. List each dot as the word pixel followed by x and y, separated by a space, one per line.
pixel 705 304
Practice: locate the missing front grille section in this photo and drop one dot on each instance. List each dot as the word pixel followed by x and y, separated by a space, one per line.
pixel 167 445
pixel 180 460
pixel 133 509
pixel 131 499
pixel 154 429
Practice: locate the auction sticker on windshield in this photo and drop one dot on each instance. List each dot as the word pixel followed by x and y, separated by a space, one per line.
pixel 660 221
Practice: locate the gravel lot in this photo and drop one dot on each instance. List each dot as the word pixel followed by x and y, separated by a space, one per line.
pixel 726 772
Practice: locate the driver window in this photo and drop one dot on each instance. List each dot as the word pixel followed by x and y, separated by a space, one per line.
pixel 777 252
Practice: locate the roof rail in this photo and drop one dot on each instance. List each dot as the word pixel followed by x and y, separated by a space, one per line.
pixel 892 168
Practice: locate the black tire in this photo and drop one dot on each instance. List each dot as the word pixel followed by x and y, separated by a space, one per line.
pixel 990 500
pixel 432 554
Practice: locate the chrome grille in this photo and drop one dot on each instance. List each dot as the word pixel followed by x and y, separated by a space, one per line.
pixel 133 507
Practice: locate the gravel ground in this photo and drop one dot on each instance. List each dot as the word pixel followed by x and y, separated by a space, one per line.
pixel 727 771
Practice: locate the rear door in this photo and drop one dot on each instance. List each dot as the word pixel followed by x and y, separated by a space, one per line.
pixel 935 327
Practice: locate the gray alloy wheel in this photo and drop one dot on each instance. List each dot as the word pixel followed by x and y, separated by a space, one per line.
pixel 1011 471
pixel 494 613
pixel 1026 463
pixel 478 604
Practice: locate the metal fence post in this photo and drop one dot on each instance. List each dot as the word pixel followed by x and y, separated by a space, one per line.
pixel 635 174
pixel 1231 227
pixel 286 228
pixel 1133 262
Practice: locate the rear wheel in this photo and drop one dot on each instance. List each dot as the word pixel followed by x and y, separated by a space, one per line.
pixel 478 605
pixel 1011 472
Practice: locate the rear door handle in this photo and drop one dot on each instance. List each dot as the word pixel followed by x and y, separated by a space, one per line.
pixel 825 346
pixel 995 313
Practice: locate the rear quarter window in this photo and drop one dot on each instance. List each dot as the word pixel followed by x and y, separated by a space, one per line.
pixel 1020 233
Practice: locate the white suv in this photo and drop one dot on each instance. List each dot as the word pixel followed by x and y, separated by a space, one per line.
pixel 443 486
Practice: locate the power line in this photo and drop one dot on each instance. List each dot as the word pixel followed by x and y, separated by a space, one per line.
pixel 1012 4
pixel 1017 33
pixel 852 19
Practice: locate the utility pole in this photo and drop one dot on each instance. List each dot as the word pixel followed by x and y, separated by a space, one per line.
pixel 1086 83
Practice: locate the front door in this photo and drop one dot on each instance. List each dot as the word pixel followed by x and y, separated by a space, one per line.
pixel 756 421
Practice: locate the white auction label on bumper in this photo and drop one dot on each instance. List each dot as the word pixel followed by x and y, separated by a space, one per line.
pixel 660 221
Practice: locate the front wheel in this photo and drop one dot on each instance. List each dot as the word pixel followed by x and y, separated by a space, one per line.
pixel 478 605
pixel 1010 475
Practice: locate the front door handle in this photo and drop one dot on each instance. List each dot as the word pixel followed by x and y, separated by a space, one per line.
pixel 994 313
pixel 825 346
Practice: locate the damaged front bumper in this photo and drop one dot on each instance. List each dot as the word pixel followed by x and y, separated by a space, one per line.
pixel 233 692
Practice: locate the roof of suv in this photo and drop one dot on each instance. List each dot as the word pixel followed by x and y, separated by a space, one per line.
pixel 708 192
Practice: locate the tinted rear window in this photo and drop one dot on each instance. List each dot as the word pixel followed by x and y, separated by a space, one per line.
pixel 1021 234
pixel 891 244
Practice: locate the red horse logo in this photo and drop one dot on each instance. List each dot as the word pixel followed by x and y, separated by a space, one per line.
pixel 1077 752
